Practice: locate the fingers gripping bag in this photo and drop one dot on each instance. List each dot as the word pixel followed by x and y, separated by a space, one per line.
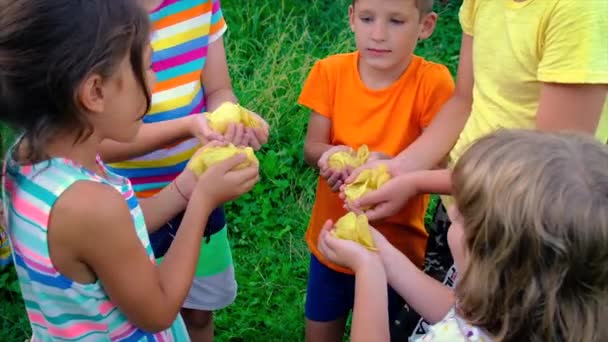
pixel 355 228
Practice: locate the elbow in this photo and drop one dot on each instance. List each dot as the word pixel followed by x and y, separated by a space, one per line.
pixel 155 321
pixel 443 308
pixel 464 100
pixel 158 325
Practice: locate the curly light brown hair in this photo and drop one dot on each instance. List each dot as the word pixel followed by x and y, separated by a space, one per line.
pixel 535 216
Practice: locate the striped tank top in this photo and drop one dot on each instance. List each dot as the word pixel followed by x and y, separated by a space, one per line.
pixel 183 31
pixel 57 307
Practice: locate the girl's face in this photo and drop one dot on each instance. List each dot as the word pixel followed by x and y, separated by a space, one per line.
pixel 118 103
pixel 456 239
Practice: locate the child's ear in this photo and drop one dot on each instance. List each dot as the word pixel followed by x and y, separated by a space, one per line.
pixel 90 94
pixel 427 25
pixel 351 17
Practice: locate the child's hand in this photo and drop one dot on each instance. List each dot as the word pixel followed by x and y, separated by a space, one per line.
pixel 322 163
pixel 219 184
pixel 236 133
pixel 186 180
pixel 386 201
pixel 334 178
pixel 257 137
pixel 199 128
pixel 373 156
pixel 376 159
pixel 345 252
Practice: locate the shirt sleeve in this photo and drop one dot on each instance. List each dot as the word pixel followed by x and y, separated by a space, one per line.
pixel 466 16
pixel 315 93
pixel 218 23
pixel 575 43
pixel 438 88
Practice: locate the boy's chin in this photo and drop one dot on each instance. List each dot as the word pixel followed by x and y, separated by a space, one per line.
pixel 386 63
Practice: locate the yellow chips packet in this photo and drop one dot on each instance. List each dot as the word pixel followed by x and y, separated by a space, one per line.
pixel 214 154
pixel 368 180
pixel 343 159
pixel 354 228
pixel 228 113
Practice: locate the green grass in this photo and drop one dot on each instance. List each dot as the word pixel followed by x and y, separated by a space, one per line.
pixel 271 46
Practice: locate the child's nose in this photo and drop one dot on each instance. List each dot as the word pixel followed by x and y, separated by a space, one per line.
pixel 379 31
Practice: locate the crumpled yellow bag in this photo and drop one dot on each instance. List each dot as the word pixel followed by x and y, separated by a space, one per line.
pixel 343 159
pixel 228 113
pixel 354 228
pixel 368 180
pixel 214 154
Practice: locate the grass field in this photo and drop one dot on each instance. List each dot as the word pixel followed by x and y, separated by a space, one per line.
pixel 271 46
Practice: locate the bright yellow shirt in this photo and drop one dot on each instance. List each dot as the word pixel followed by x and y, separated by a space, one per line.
pixel 519 45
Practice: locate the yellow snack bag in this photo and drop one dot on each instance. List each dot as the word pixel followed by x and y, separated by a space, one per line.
pixel 214 154
pixel 228 113
pixel 248 120
pixel 342 159
pixel 355 228
pixel 368 180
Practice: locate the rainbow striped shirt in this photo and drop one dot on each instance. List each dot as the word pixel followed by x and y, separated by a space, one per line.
pixel 57 307
pixel 183 30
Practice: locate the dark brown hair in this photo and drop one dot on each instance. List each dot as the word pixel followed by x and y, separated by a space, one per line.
pixel 47 48
pixel 535 215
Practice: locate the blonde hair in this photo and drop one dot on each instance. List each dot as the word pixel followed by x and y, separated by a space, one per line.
pixel 535 211
pixel 424 6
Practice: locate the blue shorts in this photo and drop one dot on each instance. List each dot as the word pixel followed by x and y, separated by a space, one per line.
pixel 331 295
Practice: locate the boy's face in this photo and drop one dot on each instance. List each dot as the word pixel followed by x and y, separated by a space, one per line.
pixel 386 31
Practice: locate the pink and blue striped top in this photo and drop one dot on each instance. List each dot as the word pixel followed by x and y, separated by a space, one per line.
pixel 58 308
pixel 183 31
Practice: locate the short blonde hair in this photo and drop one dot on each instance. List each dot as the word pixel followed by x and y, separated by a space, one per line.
pixel 535 211
pixel 424 6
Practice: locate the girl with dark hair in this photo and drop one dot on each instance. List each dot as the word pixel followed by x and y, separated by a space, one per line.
pixel 72 74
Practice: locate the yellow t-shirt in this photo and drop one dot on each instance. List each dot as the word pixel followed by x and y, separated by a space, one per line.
pixel 519 45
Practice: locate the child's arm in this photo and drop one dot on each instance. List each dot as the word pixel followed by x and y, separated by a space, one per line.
pixel 218 88
pixel 572 107
pixel 427 296
pixel 172 199
pixel 370 317
pixel 394 194
pixel 153 136
pixel 317 139
pixel 440 136
pixel 169 202
pixel 573 67
pixel 317 149
pixel 215 77
pixel 97 238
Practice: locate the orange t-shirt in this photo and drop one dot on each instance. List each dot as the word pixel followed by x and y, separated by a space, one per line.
pixel 387 120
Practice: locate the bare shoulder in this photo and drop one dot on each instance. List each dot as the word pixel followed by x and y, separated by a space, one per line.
pixel 84 222
pixel 88 211
pixel 87 201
